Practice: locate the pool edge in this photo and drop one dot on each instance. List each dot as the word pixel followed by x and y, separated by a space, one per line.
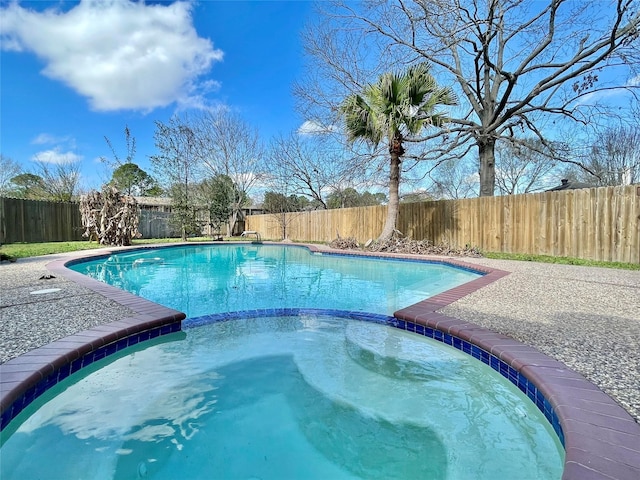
pixel 597 431
pixel 26 377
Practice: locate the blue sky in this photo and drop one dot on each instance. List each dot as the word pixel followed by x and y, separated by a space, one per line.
pixel 75 72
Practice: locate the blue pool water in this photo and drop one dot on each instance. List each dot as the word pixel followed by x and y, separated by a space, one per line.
pixel 292 397
pixel 280 397
pixel 205 279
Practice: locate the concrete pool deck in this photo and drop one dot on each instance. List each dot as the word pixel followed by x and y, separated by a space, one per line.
pixel 587 318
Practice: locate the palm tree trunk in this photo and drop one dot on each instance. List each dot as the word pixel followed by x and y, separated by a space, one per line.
pixel 394 199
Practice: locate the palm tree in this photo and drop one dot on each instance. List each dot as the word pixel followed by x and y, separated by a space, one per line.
pixel 399 104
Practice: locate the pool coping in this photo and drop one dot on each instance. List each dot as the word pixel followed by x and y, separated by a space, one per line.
pixel 598 433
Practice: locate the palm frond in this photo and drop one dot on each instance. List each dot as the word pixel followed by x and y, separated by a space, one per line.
pixel 405 101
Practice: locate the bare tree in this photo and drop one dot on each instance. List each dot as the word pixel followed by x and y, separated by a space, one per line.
pixel 613 158
pixel 126 175
pixel 280 200
pixel 227 145
pixel 514 63
pixel 8 170
pixel 313 165
pixel 131 150
pixel 177 167
pixel 526 167
pixel 283 209
pixel 60 181
pixel 454 179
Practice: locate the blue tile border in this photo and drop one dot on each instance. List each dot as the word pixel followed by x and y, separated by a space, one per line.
pixel 400 258
pixel 286 312
pixel 68 369
pixel 507 371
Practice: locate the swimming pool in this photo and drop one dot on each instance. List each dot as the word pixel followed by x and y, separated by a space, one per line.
pixel 143 267
pixel 205 279
pixel 304 396
pixel 599 436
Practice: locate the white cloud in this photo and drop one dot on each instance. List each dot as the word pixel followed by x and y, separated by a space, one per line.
pixel 56 156
pixel 311 127
pixel 611 92
pixel 49 139
pixel 634 82
pixel 118 53
pixel 43 139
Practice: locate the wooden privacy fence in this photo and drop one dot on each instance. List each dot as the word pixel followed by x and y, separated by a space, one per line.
pixel 597 223
pixel 34 221
pixel 153 224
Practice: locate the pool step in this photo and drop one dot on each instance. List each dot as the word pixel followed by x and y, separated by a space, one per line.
pixel 342 370
pixel 400 355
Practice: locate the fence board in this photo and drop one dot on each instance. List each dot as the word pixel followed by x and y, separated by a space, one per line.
pixel 154 224
pixel 598 223
pixel 33 221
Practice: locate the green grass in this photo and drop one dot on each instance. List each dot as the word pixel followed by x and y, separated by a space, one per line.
pixel 561 260
pixel 24 250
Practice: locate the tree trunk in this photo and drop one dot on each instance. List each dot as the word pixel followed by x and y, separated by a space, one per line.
pixel 394 199
pixel 486 151
pixel 283 224
pixel 233 219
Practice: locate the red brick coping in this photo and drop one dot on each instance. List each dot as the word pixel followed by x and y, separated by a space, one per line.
pixel 602 441
pixel 22 378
